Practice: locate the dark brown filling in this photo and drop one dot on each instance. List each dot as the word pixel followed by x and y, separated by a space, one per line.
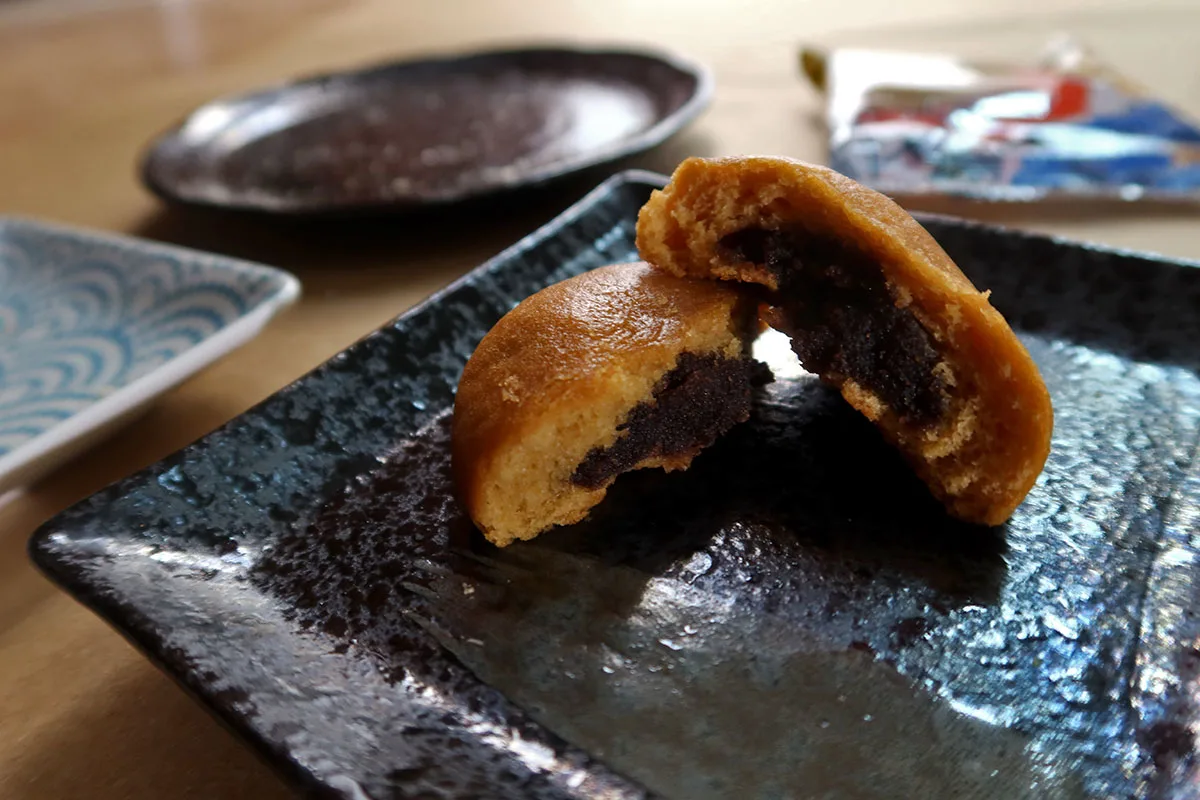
pixel 844 320
pixel 693 404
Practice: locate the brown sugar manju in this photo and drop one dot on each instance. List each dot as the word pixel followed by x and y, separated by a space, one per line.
pixel 876 308
pixel 620 368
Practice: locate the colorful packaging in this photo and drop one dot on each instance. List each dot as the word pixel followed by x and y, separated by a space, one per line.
pixel 926 124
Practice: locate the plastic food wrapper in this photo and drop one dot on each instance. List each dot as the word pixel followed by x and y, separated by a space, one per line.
pixel 913 124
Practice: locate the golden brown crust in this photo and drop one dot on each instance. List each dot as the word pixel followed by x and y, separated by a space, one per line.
pixel 986 455
pixel 559 372
pixel 707 199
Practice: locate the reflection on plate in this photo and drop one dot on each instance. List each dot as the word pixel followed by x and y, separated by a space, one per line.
pixel 93 327
pixel 807 622
pixel 426 132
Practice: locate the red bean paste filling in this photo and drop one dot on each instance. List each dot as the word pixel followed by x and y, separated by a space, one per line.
pixel 844 320
pixel 693 404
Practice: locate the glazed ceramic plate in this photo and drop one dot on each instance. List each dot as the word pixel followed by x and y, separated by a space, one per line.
pixel 428 132
pixel 93 327
pixel 791 617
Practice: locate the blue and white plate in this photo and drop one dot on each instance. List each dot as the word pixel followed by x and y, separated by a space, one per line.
pixel 94 326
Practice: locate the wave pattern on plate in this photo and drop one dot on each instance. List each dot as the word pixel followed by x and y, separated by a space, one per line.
pixel 81 319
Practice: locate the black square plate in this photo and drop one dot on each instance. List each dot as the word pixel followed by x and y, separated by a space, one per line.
pixel 792 617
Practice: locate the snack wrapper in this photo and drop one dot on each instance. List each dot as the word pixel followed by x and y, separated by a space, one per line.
pixel 913 124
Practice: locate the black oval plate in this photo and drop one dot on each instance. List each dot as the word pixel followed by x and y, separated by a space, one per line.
pixel 426 132
pixel 793 616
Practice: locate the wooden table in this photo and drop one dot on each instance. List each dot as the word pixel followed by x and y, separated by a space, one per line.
pixel 84 83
